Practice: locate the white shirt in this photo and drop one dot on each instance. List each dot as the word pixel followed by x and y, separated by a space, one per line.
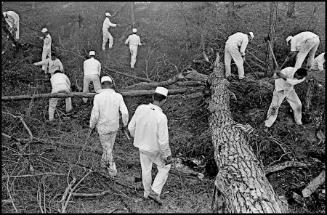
pixel 299 40
pixel 60 82
pixel 13 19
pixel 53 65
pixel 239 40
pixel 105 111
pixel 133 39
pixel 318 62
pixel 92 67
pixel 47 42
pixel 281 84
pixel 149 128
pixel 107 24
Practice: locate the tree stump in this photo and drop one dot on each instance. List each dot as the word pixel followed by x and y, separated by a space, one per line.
pixel 241 185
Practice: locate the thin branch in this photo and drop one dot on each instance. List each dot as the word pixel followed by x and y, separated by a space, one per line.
pixel 282 166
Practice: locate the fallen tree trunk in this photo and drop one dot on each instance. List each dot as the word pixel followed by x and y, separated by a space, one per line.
pixel 241 185
pixel 127 93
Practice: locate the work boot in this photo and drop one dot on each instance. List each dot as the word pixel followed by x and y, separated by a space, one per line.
pixel 154 196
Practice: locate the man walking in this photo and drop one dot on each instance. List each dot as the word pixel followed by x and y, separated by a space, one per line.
pixel 12 18
pixel 303 44
pixel 92 70
pixel 46 50
pixel 105 116
pixel 150 131
pixel 133 41
pixel 235 49
pixel 105 31
pixel 60 84
pixel 284 88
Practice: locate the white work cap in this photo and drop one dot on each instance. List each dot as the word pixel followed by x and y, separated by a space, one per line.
pixel 288 38
pixel 107 14
pixel 4 13
pixel 134 30
pixel 92 53
pixel 106 78
pixel 251 34
pixel 161 90
pixel 44 30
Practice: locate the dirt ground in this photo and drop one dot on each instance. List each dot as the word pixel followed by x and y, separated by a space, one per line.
pixel 164 47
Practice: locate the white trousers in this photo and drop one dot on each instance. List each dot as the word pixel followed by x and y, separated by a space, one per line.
pixel 53 104
pixel 278 97
pixel 107 141
pixel 45 53
pixel 86 82
pixel 133 50
pixel 232 52
pixel 107 36
pixel 310 47
pixel 147 159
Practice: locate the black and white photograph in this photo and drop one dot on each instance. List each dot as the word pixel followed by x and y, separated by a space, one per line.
pixel 163 107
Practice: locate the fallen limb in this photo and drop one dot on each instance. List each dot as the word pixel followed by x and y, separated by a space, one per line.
pixel 285 165
pixel 126 93
pixel 314 184
pixel 32 175
pixel 92 194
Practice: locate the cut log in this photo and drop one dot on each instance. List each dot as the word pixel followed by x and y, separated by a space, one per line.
pixel 241 185
pixel 127 93
pixel 314 184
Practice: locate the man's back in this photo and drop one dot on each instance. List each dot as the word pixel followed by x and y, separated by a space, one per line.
pixel 236 39
pixel 92 67
pixel 59 81
pixel 107 105
pixel 134 39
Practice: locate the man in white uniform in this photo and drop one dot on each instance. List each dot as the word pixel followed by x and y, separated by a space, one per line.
pixel 105 116
pixel 284 88
pixel 92 70
pixel 303 44
pixel 235 49
pixel 105 30
pixel 52 64
pixel 133 41
pixel 46 50
pixel 318 62
pixel 149 128
pixel 12 18
pixel 60 84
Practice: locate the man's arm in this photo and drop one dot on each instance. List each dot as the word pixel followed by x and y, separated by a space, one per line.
pixel 61 67
pixel 111 24
pixel 244 45
pixel 123 111
pixel 94 114
pixel 132 123
pixel 163 137
pixel 43 62
pixel 99 69
pixel 127 41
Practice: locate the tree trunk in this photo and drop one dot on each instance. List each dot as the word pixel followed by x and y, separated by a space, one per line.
pixel 89 95
pixel 132 15
pixel 290 9
pixel 272 23
pixel 231 9
pixel 33 4
pixel 241 185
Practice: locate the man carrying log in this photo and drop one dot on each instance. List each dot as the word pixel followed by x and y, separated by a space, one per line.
pixel 303 44
pixel 92 70
pixel 235 49
pixel 284 88
pixel 52 64
pixel 133 41
pixel 105 117
pixel 12 18
pixel 46 50
pixel 149 128
pixel 60 84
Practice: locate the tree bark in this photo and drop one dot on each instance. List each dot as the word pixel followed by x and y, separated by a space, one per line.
pixel 132 15
pixel 290 9
pixel 272 23
pixel 89 95
pixel 241 185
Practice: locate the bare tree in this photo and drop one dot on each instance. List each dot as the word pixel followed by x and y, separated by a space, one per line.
pixel 241 185
pixel 290 9
pixel 271 33
pixel 132 15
